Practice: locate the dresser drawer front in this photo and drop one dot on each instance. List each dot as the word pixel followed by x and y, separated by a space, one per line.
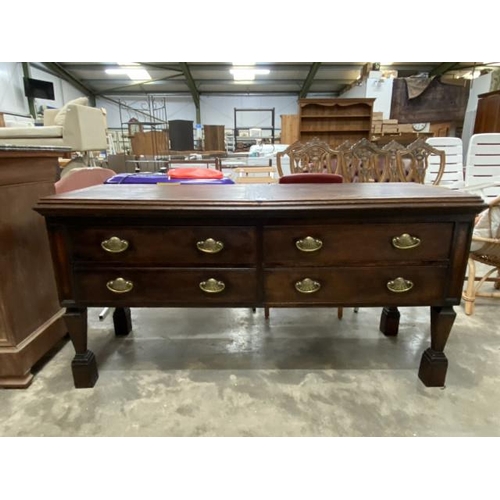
pixel 165 287
pixel 167 246
pixel 356 286
pixel 348 243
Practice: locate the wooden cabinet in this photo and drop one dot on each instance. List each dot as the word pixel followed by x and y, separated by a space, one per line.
pixel 152 143
pixel 255 245
pixel 290 129
pixel 335 120
pixel 488 113
pixel 181 135
pixel 214 138
pixel 31 321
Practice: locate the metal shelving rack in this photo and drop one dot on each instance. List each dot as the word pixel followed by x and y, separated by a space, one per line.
pixel 152 117
pixel 249 139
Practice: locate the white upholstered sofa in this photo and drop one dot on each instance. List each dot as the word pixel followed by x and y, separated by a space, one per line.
pixel 80 127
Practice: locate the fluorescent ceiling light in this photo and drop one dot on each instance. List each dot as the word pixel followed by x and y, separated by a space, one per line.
pixel 471 75
pixel 247 73
pixel 132 73
pixel 244 64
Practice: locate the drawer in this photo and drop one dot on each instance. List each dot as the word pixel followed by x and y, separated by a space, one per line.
pixel 142 287
pixel 349 243
pixel 166 246
pixel 361 286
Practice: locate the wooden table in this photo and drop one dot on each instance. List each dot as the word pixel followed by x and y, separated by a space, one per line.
pixel 31 321
pixel 360 245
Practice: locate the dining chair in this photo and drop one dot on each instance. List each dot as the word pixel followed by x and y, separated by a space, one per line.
pixel 360 162
pixel 314 156
pixel 391 171
pixel 413 162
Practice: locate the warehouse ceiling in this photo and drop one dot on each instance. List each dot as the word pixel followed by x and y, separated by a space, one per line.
pixel 219 78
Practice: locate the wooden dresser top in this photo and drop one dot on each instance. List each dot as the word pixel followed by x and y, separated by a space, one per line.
pixel 257 198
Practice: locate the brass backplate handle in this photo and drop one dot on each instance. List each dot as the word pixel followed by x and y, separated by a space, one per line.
pixel 307 285
pixel 119 285
pixel 212 286
pixel 209 246
pixel 115 245
pixel 405 242
pixel 399 285
pixel 309 244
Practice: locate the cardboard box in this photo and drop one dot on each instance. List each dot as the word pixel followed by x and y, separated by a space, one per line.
pixel 406 128
pixel 377 115
pixel 390 122
pixel 390 129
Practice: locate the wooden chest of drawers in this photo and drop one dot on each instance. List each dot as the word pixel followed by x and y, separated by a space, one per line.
pixel 261 245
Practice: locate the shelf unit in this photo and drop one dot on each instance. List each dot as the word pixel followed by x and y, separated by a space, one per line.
pixel 335 120
pixel 250 140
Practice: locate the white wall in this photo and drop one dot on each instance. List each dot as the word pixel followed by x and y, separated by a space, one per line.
pixel 381 91
pixel 479 85
pixel 121 109
pixel 12 98
pixel 374 87
pixel 214 110
pixel 219 110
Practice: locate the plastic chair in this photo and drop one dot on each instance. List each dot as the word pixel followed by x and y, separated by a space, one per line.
pixel 79 178
pixel 482 167
pixel 453 175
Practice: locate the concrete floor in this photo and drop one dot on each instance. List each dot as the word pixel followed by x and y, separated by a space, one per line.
pixel 228 372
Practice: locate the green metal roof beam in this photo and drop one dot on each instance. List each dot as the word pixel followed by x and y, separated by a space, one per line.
pixel 191 84
pixel 309 79
pixel 442 68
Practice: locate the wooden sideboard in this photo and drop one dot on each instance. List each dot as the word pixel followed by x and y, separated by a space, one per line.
pixel 368 245
pixel 31 321
pixel 488 113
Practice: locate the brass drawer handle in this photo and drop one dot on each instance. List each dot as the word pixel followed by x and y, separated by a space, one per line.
pixel 405 242
pixel 115 245
pixel 309 244
pixel 307 285
pixel 119 285
pixel 400 285
pixel 210 246
pixel 212 286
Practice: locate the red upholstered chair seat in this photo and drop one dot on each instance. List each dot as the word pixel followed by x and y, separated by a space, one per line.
pixel 310 179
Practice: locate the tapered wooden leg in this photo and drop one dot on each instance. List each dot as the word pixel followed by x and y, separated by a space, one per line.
pixel 434 363
pixel 340 312
pixel 389 321
pixel 266 312
pixel 84 365
pixel 122 321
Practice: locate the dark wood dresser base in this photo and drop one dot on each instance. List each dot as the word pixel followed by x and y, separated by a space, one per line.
pixel 359 245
